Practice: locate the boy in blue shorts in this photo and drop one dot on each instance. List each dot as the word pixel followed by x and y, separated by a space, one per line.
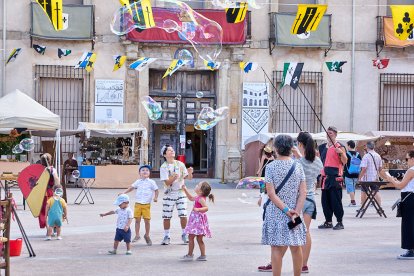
pixel 123 223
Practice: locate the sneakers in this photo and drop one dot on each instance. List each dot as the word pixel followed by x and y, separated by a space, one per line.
pixel 112 252
pixel 265 268
pixel 59 238
pixel 48 238
pixel 409 255
pixel 325 225
pixel 148 240
pixel 338 226
pixel 305 269
pixel 165 241
pixel 202 258
pixel 184 237
pixel 187 258
pixel 352 205
pixel 129 252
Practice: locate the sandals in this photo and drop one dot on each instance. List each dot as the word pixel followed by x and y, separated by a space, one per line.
pixel 136 239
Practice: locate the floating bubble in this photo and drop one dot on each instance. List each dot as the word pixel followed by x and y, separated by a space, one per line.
pixel 190 25
pixel 204 125
pixel 27 144
pixel 208 117
pixel 17 149
pixel 199 94
pixel 233 4
pixel 76 174
pixel 154 109
pixel 185 55
pixel 178 97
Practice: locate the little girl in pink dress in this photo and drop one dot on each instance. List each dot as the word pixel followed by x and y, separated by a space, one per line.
pixel 197 225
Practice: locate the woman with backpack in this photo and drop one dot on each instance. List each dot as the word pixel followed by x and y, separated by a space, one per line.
pixel 351 170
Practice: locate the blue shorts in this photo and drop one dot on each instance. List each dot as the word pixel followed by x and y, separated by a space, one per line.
pixel 122 235
pixel 350 184
pixel 309 207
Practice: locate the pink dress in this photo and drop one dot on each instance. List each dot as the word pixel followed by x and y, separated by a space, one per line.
pixel 197 222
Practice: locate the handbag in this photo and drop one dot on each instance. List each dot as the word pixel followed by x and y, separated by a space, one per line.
pixel 280 187
pixel 397 204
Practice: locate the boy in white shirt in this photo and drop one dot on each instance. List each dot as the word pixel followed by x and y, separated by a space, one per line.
pixel 145 192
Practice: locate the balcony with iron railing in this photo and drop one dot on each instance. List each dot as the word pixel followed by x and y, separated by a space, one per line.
pixel 386 36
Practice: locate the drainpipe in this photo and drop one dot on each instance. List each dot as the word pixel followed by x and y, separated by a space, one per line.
pixel 3 73
pixel 352 69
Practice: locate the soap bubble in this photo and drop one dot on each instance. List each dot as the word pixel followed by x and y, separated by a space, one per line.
pixel 190 25
pixel 199 94
pixel 204 125
pixel 154 109
pixel 185 55
pixel 208 117
pixel 232 4
pixel 178 97
pixel 17 149
pixel 27 144
pixel 75 174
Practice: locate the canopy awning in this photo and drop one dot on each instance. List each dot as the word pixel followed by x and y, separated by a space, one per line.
pixel 382 134
pixel 112 130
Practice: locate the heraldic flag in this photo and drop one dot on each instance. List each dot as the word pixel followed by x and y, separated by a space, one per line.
pixel 53 9
pixel 248 66
pixel 380 63
pixel 403 19
pixel 308 18
pixel 141 12
pixel 13 55
pixel 39 48
pixel 63 52
pixel 211 65
pixel 291 74
pixel 141 63
pixel 237 14
pixel 174 66
pixel 335 66
pixel 86 61
pixel 119 62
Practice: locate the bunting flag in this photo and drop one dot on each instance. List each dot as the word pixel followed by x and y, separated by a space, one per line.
pixel 86 61
pixel 141 63
pixel 380 63
pixel 308 18
pixel 53 9
pixel 39 48
pixel 142 13
pixel 248 66
pixel 13 55
pixel 237 14
pixel 335 66
pixel 403 18
pixel 119 62
pixel 211 65
pixel 291 74
pixel 63 52
pixel 174 66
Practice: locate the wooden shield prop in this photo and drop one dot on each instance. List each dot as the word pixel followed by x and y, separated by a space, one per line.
pixel 28 178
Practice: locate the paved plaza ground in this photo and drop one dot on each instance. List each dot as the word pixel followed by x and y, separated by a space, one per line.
pixel 366 246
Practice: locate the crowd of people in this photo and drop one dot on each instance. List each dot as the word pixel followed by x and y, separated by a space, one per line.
pixel 291 179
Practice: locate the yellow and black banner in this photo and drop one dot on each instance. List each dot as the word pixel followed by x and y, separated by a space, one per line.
pixel 402 16
pixel 307 18
pixel 53 9
pixel 237 14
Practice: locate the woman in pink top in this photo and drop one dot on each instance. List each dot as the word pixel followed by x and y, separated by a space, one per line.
pixel 197 225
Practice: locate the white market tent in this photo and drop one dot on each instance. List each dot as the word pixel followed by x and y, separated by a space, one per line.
pixel 18 110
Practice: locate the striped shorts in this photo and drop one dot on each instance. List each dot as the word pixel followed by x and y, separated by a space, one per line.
pixel 174 198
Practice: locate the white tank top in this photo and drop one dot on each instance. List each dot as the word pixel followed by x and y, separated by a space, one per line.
pixel 410 185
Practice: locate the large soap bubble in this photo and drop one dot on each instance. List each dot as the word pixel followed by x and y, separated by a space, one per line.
pixel 199 94
pixel 208 117
pixel 27 144
pixel 76 174
pixel 190 25
pixel 17 149
pixel 154 109
pixel 233 4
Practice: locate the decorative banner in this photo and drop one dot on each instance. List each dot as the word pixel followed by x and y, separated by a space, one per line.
pixel 283 37
pixel 63 52
pixel 53 9
pixel 255 110
pixel 86 61
pixel 13 55
pixel 380 63
pixel 389 35
pixel 119 62
pixel 78 23
pixel 248 66
pixel 174 66
pixel 141 63
pixel 232 33
pixel 211 65
pixel 335 66
pixel 402 16
pixel 141 18
pixel 307 18
pixel 291 74
pixel 39 48
pixel 109 92
pixel 237 14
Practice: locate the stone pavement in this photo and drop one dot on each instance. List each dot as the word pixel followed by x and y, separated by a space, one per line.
pixel 367 246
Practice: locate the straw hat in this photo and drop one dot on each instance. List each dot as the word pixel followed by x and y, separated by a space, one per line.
pixel 268 149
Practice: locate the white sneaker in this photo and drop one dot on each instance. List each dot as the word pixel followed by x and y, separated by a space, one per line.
pixel 48 238
pixel 59 237
pixel 165 241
